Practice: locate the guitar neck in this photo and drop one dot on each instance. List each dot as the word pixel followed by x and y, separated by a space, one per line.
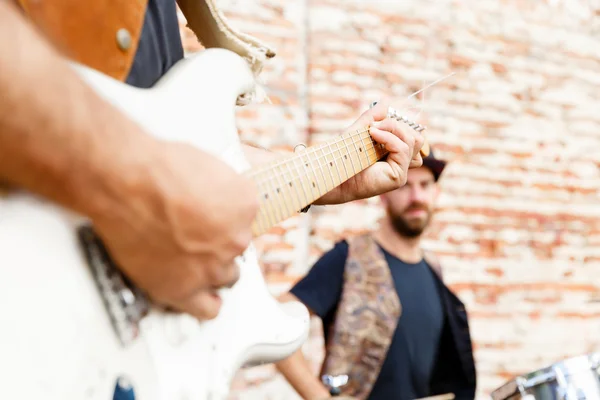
pixel 285 186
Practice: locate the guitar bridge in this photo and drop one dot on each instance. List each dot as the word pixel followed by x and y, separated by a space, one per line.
pixel 125 303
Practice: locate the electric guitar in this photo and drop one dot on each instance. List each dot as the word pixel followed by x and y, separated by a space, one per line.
pixel 72 327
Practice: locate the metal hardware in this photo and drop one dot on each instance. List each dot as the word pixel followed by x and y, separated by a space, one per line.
pixel 124 39
pixel 334 383
pixel 392 113
pixel 124 302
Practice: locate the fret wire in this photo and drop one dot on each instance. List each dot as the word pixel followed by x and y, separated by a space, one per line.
pixel 258 220
pixel 318 158
pixel 360 140
pixel 265 170
pixel 351 154
pixel 268 206
pixel 372 146
pixel 282 190
pixel 307 199
pixel 271 212
pixel 351 161
pixel 337 167
pixel 370 142
pixel 291 184
pixel 266 217
pixel 357 152
pixel 269 216
pixel 304 165
pixel 266 209
pixel 366 151
pixel 302 177
pixel 339 138
pixel 274 199
pixel 321 170
pixel 343 163
pixel 329 165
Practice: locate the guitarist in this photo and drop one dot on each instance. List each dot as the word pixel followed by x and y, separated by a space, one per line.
pixel 173 216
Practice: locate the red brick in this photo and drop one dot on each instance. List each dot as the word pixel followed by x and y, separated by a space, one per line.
pixel 518 123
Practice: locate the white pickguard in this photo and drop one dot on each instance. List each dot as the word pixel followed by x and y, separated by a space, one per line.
pixel 56 339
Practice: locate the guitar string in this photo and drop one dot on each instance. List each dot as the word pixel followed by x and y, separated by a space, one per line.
pixel 427 87
pixel 328 156
pixel 311 154
pixel 300 177
pixel 256 171
pixel 260 169
pixel 268 202
pixel 278 175
pixel 313 159
pixel 267 208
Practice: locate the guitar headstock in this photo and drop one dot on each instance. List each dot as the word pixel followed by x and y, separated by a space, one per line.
pixel 392 113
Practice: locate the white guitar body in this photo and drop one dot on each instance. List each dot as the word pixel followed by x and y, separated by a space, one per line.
pixel 57 341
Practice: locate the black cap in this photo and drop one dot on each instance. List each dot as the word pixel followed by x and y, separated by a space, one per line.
pixel 436 165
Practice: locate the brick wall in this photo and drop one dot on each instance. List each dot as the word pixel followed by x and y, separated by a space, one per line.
pixel 518 224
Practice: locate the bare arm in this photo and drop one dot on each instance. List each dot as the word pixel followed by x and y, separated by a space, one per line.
pixel 297 371
pixel 56 135
pixel 147 198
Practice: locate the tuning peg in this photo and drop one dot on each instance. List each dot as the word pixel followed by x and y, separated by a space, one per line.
pixel 392 113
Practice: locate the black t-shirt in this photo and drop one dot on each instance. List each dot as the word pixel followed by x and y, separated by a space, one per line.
pixel 407 369
pixel 160 44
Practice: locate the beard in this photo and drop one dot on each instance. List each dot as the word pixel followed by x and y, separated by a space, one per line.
pixel 413 227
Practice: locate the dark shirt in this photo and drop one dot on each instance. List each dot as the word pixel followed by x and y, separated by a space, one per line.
pixel 160 44
pixel 407 369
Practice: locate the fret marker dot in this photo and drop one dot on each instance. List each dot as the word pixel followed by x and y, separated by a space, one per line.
pixel 345 157
pixel 290 184
pixel 330 163
pixel 266 195
pixel 360 149
pixel 314 184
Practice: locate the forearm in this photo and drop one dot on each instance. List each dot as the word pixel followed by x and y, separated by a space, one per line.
pixel 296 368
pixel 297 372
pixel 57 138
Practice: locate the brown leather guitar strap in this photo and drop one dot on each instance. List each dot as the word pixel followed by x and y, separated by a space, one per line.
pixel 102 34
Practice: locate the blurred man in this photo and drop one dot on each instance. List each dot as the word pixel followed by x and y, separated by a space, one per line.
pixel 390 323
